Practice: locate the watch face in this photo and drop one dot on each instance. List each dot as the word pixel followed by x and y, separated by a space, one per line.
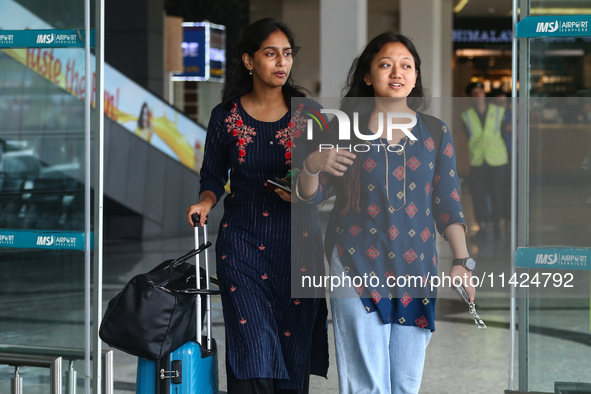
pixel 470 263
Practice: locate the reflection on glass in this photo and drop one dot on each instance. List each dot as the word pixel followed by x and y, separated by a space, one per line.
pixel 560 203
pixel 560 177
pixel 559 67
pixel 41 145
pixel 41 188
pixel 62 14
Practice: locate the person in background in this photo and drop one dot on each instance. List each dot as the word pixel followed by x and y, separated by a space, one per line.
pixel 273 342
pixel 483 124
pixel 500 98
pixel 144 128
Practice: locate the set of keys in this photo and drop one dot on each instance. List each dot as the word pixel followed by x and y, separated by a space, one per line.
pixel 471 306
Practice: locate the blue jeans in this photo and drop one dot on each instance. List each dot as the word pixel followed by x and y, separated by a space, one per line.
pixel 373 357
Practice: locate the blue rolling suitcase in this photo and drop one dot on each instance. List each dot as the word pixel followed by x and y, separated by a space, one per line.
pixel 192 368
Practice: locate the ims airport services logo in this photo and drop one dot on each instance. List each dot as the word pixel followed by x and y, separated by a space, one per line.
pixel 6 38
pixel 67 39
pixel 562 27
pixel 561 259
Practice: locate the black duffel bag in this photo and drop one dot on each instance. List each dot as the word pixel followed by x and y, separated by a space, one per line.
pixel 154 314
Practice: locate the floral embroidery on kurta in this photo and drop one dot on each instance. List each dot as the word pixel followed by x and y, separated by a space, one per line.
pixel 295 128
pixel 235 126
pixel 284 137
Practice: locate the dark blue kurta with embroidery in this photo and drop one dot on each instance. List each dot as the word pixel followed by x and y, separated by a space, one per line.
pixel 393 233
pixel 269 334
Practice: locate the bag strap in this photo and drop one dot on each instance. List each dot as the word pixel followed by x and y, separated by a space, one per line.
pixel 192 253
pixel 217 282
pixel 329 237
pixel 435 129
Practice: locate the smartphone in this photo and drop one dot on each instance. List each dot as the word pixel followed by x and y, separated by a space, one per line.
pixel 275 183
pixel 462 293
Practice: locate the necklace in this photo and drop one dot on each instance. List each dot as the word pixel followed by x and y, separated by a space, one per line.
pixel 392 209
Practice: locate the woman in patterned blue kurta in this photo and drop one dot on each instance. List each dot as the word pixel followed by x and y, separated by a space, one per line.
pixel 269 335
pixel 391 196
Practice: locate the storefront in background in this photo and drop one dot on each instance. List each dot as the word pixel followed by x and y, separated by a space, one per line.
pixel 482 51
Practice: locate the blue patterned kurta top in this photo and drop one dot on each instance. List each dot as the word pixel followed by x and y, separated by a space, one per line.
pixel 390 237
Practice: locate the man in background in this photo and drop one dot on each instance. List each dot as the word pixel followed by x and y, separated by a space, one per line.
pixel 488 157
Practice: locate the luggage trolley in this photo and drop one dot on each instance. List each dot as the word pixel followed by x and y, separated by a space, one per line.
pixel 192 368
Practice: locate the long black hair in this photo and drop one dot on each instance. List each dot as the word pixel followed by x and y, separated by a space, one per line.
pixel 239 82
pixel 349 187
pixel 140 121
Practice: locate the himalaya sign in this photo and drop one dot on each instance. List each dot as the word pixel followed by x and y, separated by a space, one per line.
pixel 554 26
pixel 495 36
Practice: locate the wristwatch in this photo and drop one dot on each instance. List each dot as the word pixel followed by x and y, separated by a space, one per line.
pixel 467 263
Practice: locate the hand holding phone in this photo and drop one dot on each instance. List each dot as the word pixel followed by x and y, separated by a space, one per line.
pixel 276 182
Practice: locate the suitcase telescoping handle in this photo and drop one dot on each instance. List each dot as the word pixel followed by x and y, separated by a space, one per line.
pixel 199 324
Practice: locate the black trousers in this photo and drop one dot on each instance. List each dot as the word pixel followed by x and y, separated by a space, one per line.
pixel 487 180
pixel 261 385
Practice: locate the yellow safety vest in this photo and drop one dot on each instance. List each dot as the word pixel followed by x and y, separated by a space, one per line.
pixel 486 143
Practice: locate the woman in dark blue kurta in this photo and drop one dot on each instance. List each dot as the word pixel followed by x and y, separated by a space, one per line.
pixel 269 335
pixel 389 203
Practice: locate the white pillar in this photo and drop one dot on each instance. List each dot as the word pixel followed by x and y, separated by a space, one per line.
pixel 260 9
pixel 303 18
pixel 343 33
pixel 209 94
pixel 429 24
pixel 447 48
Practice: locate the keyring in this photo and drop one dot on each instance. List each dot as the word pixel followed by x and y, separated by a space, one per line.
pixel 477 320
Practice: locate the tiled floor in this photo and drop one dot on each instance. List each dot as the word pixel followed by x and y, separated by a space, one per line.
pixel 460 358
pixel 458 353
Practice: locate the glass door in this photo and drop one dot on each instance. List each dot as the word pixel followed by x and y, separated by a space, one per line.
pixel 48 194
pixel 554 199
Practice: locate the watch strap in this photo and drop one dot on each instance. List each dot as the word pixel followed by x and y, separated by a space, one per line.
pixel 464 263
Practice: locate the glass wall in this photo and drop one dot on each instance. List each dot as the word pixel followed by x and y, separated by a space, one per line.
pixel 559 351
pixel 42 159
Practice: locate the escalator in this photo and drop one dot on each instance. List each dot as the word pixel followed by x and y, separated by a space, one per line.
pixel 152 151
